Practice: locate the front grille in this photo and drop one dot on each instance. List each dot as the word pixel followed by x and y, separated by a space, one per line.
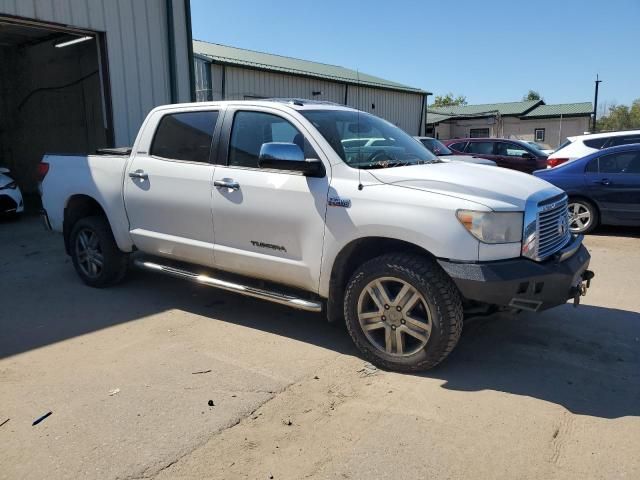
pixel 552 226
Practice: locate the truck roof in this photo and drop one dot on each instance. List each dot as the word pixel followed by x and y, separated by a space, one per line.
pixel 293 103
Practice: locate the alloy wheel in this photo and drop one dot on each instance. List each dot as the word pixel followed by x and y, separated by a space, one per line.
pixel 88 253
pixel 579 217
pixel 394 316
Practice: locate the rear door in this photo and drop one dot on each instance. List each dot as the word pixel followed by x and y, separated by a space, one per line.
pixel 267 223
pixel 616 187
pixel 167 189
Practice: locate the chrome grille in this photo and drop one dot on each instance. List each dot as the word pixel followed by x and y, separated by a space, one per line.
pixel 552 226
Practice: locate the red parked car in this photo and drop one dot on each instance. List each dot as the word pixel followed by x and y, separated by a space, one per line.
pixel 513 154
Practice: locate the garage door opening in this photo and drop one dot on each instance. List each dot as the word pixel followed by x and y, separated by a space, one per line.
pixel 54 96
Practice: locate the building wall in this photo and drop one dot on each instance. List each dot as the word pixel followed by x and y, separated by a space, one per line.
pixel 556 130
pixel 137 48
pixel 400 108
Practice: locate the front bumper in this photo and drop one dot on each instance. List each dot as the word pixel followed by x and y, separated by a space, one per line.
pixel 522 283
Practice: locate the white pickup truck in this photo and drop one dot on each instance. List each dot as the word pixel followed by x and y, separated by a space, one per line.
pixel 274 199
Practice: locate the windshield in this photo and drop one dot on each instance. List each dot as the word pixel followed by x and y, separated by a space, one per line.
pixel 436 146
pixel 366 141
pixel 537 147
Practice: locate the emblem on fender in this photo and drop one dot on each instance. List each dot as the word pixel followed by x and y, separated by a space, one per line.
pixel 339 202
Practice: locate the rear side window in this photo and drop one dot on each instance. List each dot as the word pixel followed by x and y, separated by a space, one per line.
pixel 597 143
pixel 482 148
pixel 458 147
pixel 592 166
pixel 185 136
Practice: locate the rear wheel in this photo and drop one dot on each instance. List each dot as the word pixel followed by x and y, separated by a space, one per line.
pixel 403 312
pixel 95 254
pixel 583 216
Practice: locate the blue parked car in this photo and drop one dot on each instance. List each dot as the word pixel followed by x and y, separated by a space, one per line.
pixel 603 187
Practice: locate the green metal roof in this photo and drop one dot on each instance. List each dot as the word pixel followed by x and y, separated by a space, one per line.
pixel 565 109
pixel 510 108
pixel 433 117
pixel 277 63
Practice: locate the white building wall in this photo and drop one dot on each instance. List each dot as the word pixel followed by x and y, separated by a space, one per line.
pixel 137 48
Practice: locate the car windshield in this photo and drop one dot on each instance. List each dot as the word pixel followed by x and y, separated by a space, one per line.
pixel 537 147
pixel 436 146
pixel 366 141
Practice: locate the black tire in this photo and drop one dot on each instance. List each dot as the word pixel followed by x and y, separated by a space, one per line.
pixel 594 217
pixel 115 263
pixel 437 290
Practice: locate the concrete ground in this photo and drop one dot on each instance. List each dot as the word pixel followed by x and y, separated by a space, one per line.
pixel 554 396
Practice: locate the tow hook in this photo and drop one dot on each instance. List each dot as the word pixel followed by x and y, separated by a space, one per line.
pixel 580 290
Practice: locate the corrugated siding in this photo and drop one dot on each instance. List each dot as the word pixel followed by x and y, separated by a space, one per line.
pixel 203 80
pixel 401 109
pixel 137 46
pixel 243 83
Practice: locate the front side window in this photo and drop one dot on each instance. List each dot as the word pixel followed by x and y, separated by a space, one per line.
pixel 624 162
pixel 386 145
pixel 624 140
pixel 480 148
pixel 510 149
pixel 251 129
pixel 185 136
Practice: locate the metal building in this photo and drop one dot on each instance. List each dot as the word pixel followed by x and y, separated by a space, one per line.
pixel 229 73
pixel 76 75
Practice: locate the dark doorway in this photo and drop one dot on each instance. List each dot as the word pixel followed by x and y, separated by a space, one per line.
pixel 53 95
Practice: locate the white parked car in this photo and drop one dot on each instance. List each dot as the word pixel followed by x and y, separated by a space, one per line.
pixel 263 199
pixel 11 202
pixel 443 152
pixel 582 145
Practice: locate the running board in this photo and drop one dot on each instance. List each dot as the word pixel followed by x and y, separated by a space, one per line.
pixel 275 297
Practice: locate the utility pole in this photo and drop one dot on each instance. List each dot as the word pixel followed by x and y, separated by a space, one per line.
pixel 595 104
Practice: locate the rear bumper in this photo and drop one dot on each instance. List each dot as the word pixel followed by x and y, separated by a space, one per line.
pixel 524 284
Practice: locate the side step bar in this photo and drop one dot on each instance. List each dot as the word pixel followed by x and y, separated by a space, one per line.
pixel 275 297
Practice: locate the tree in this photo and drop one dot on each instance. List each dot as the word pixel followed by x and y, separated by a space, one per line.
pixel 532 95
pixel 621 117
pixel 448 100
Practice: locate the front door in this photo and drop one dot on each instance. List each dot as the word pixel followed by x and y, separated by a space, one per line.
pixel 168 189
pixel 616 187
pixel 268 224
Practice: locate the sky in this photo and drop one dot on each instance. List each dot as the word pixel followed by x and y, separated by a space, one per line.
pixel 491 51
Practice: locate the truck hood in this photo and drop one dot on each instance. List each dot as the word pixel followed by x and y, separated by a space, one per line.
pixel 466 158
pixel 494 187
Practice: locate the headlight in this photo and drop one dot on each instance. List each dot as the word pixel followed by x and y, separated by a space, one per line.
pixel 12 186
pixel 492 227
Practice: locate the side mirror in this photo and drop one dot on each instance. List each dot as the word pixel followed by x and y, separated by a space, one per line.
pixel 289 156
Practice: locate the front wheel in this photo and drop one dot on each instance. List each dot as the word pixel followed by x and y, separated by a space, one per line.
pixel 95 254
pixel 403 312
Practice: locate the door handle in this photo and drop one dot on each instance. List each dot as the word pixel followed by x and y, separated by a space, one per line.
pixel 604 181
pixel 139 174
pixel 232 184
